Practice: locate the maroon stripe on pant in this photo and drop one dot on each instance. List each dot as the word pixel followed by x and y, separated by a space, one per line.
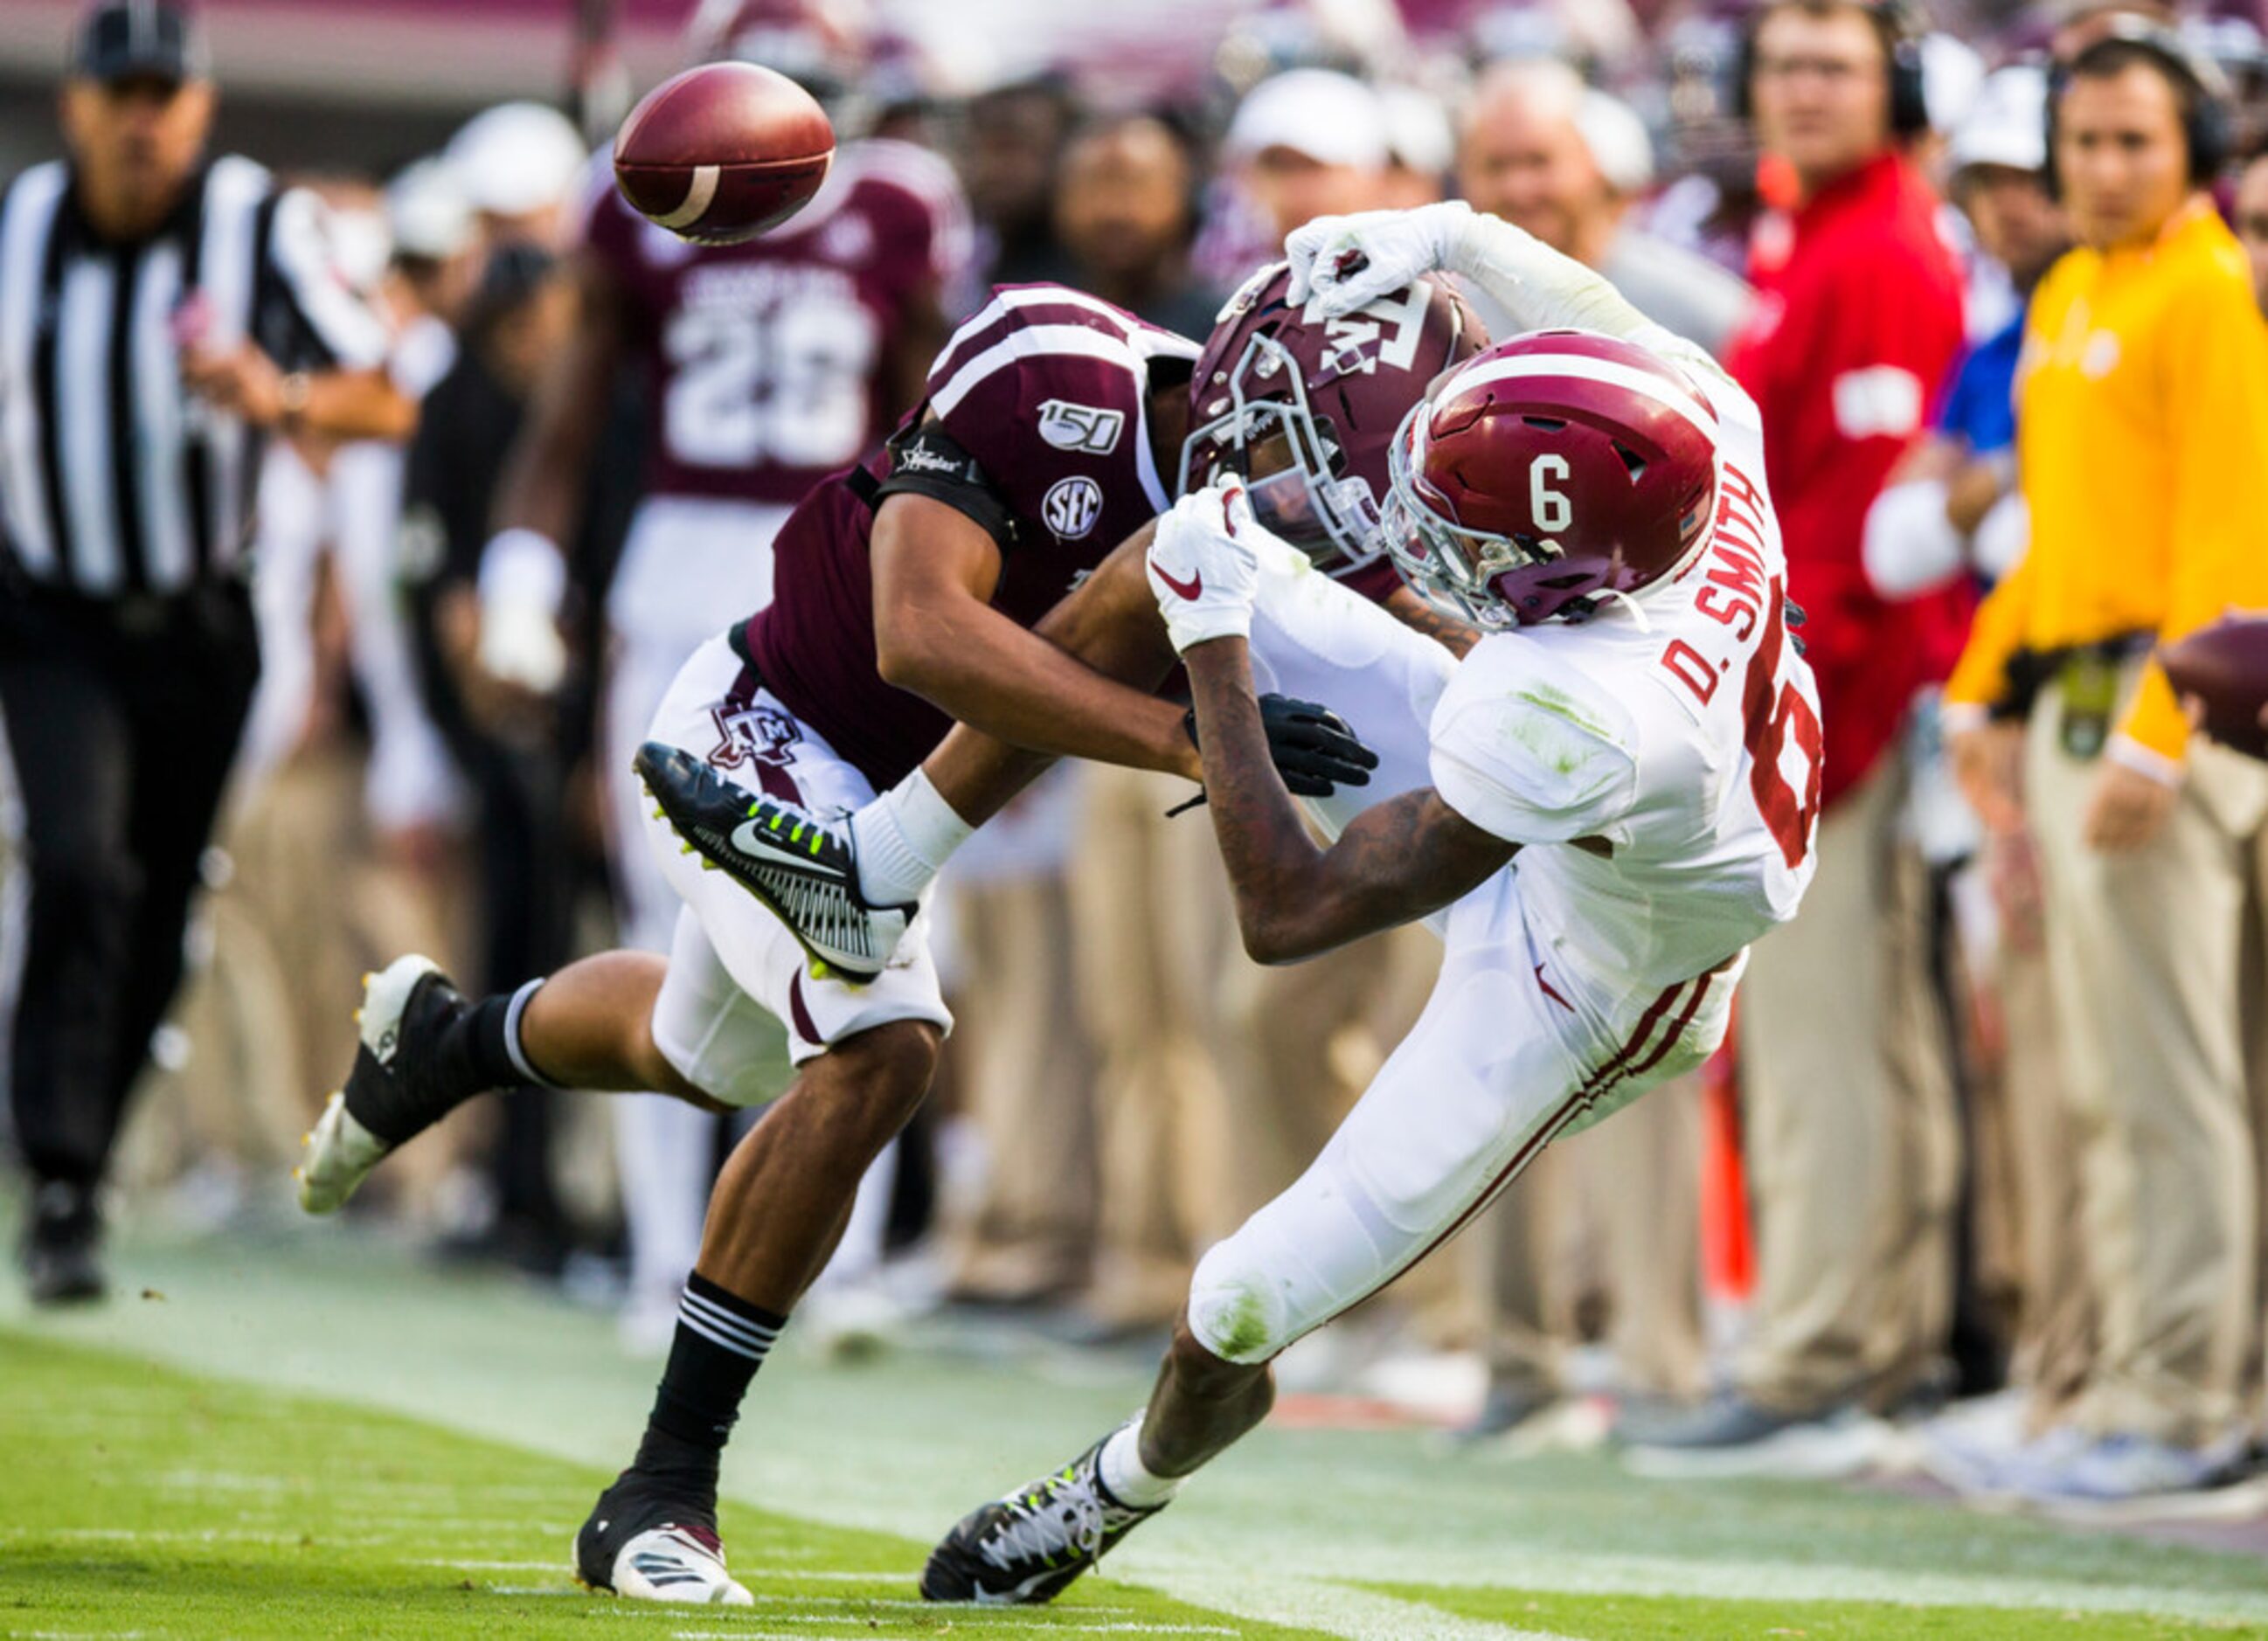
pixel 1559 1120
pixel 1600 1081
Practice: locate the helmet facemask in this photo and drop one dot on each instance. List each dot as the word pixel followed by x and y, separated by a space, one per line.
pixel 1452 566
pixel 1333 520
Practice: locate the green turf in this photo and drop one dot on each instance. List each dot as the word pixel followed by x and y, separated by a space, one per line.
pixel 315 1384
pixel 134 1498
pixel 1658 1618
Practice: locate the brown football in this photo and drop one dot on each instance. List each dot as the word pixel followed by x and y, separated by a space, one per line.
pixel 721 153
pixel 2226 666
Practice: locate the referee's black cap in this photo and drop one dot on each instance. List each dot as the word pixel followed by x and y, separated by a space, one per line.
pixel 120 39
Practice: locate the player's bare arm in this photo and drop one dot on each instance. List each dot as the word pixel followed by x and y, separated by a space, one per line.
pixel 937 634
pixel 1396 863
pixel 1108 624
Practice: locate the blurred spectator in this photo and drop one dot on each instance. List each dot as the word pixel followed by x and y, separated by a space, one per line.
pixel 1950 515
pixel 2252 222
pixel 1930 527
pixel 1850 1129
pixel 1309 143
pixel 128 650
pixel 512 750
pixel 1013 145
pixel 1567 162
pixel 1126 212
pixel 1022 1231
pixel 1421 148
pixel 2143 423
pixel 518 164
pixel 1304 143
pixel 434 267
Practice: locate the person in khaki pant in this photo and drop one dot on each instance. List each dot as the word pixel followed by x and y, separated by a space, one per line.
pixel 2143 451
pixel 1615 1211
pixel 1848 1135
pixel 1153 930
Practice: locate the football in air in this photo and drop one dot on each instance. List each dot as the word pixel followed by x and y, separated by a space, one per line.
pixel 721 153
pixel 2226 666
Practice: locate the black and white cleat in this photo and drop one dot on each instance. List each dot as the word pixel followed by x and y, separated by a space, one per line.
pixel 397 1088
pixel 1027 1548
pixel 805 870
pixel 644 1549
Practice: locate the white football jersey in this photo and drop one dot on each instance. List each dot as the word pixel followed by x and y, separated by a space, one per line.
pixel 1660 764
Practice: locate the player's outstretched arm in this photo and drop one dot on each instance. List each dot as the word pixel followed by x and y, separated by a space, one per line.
pixel 1109 624
pixel 1344 261
pixel 1395 864
pixel 1407 857
pixel 938 636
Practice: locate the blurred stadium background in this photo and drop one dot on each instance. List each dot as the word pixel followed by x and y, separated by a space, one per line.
pixel 387 1425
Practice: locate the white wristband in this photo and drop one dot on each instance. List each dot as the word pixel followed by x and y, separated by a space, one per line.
pixel 523 568
pixel 522 583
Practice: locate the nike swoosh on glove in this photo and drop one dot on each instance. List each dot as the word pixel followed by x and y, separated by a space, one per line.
pixel 1312 748
pixel 1341 263
pixel 1204 566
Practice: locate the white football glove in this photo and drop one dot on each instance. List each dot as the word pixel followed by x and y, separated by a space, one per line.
pixel 1204 566
pixel 1344 262
pixel 522 583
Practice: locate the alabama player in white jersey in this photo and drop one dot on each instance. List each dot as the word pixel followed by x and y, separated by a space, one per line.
pixel 766 367
pixel 1612 794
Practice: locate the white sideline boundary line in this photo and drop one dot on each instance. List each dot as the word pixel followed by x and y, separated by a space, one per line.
pixel 1788 1581
pixel 1336 1608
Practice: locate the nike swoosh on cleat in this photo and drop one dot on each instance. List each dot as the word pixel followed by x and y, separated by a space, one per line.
pixel 1190 589
pixel 752 840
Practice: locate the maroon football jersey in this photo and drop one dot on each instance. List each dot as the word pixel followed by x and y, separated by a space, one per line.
pixel 1046 390
pixel 763 360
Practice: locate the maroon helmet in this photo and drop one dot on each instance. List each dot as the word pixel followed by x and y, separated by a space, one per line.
pixel 823 45
pixel 1336 388
pixel 1554 470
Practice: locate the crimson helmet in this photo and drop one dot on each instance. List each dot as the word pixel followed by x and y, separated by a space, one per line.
pixel 1336 388
pixel 1555 470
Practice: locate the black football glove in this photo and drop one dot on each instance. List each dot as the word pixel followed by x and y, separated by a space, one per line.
pixel 1311 746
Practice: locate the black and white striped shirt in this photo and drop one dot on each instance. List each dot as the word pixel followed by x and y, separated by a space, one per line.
pixel 114 480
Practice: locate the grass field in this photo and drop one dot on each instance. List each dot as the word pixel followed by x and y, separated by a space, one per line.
pixel 307 1435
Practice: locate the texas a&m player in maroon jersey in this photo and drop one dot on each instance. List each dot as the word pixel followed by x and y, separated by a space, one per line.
pixel 1051 427
pixel 766 366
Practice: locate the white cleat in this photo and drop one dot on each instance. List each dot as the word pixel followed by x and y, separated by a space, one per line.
pixel 391 1093
pixel 340 1155
pixel 685 1565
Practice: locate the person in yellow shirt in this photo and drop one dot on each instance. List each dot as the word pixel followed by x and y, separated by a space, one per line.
pixel 2143 452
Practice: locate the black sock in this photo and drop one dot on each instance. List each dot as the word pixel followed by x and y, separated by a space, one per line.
pixel 481 1051
pixel 721 1341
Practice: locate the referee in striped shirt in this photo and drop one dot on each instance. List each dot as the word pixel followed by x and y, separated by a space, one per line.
pixel 160 316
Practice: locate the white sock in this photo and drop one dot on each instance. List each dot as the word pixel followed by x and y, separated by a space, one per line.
pixel 904 837
pixel 1125 1476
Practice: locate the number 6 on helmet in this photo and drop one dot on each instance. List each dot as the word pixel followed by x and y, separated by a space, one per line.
pixel 1619 451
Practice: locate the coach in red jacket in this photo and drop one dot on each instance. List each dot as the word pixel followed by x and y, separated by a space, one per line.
pixel 1849 1124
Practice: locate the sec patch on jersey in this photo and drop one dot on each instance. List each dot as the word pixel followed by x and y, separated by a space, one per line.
pixel 2225 666
pixel 723 152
